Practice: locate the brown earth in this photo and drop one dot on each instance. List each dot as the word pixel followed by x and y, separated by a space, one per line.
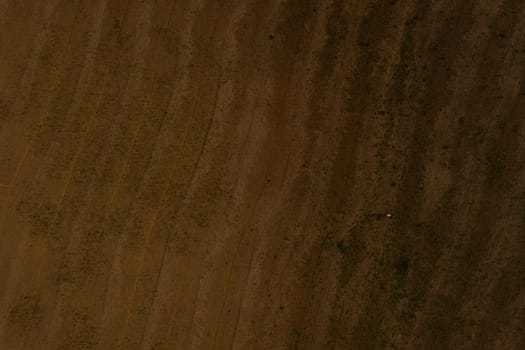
pixel 191 174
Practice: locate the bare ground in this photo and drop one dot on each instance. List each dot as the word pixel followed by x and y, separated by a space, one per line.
pixel 218 174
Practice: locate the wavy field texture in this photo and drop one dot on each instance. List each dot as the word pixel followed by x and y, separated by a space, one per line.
pixel 249 174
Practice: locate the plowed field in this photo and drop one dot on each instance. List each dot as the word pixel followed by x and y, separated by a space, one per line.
pixel 248 174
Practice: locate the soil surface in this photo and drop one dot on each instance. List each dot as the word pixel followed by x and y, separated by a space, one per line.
pixel 249 174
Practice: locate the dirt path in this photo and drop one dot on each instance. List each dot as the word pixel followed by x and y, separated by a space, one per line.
pixel 262 174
